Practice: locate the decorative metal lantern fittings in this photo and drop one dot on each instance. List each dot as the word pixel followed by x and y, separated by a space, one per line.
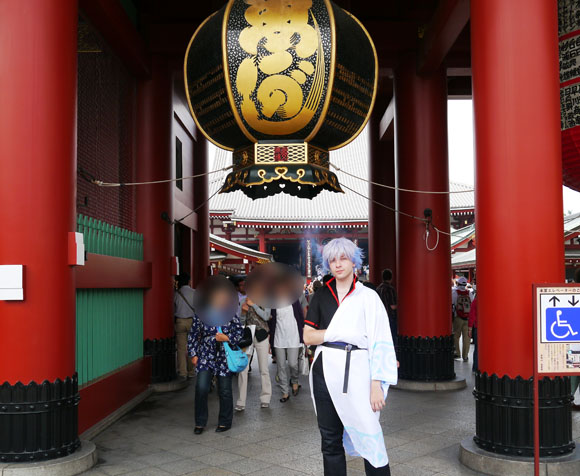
pixel 281 83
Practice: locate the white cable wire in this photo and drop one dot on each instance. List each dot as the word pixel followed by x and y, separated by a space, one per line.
pixel 394 210
pixel 100 183
pixel 441 231
pixel 390 187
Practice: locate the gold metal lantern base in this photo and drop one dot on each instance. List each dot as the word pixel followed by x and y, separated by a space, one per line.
pixel 267 168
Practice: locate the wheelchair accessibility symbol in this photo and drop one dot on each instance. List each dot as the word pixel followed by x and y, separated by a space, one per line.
pixel 562 324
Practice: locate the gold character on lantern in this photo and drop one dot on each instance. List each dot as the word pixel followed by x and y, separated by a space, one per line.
pixel 281 44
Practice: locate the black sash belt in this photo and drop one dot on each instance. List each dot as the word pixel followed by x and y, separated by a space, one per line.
pixel 347 348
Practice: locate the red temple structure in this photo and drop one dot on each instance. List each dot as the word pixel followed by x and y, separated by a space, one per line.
pixel 93 90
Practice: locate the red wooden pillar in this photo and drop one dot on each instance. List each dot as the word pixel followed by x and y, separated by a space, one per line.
pixel 382 237
pixel 200 247
pixel 154 214
pixel 38 81
pixel 262 240
pixel 425 342
pixel 519 188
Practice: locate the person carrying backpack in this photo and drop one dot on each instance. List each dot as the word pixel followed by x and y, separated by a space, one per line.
pixel 461 300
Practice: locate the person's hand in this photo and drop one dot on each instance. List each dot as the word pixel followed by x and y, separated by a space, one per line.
pixel 377 396
pixel 245 307
pixel 194 360
pixel 249 302
pixel 469 333
pixel 220 337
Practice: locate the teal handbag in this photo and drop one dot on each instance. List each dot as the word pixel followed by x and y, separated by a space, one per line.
pixel 236 358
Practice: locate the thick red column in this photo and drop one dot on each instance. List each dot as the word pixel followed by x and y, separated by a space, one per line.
pixel 200 249
pixel 382 238
pixel 423 276
pixel 38 81
pixel 518 173
pixel 154 202
pixel 421 149
pixel 519 219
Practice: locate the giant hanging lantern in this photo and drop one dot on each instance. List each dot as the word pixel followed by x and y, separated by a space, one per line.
pixel 281 83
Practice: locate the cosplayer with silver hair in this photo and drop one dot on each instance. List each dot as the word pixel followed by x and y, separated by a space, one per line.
pixel 341 247
pixel 353 366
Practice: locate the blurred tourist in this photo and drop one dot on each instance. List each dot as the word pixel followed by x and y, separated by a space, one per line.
pixel 208 354
pixel 286 327
pixel 257 316
pixel 183 313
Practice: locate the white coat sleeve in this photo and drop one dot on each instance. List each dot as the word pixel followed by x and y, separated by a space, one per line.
pixel 382 357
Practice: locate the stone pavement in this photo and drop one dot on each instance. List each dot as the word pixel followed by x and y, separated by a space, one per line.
pixel 422 432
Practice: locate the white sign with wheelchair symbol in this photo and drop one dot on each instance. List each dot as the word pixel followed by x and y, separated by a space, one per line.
pixel 560 317
pixel 557 325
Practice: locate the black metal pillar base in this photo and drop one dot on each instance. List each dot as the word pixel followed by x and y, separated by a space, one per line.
pixel 162 352
pixel 38 421
pixel 504 415
pixel 425 358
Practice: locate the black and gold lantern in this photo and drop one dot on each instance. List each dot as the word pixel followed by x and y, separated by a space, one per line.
pixel 281 83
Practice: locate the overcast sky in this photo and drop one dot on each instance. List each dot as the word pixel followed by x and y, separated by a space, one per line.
pixel 461 151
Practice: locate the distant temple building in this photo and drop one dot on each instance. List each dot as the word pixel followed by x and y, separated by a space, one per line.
pixel 463 252
pixel 291 229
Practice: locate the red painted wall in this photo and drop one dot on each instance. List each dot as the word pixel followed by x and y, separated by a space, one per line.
pixel 103 397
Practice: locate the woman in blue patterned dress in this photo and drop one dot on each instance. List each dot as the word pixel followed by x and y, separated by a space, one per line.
pixel 209 357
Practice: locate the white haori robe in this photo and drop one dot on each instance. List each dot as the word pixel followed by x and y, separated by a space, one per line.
pixel 361 320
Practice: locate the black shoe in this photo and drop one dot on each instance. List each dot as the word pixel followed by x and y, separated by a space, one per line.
pixel 221 429
pixel 296 391
pixel 198 430
pixel 285 399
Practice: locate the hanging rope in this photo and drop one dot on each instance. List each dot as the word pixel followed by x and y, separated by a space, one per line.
pixel 390 187
pixel 423 220
pixel 426 221
pixel 100 183
pixel 199 206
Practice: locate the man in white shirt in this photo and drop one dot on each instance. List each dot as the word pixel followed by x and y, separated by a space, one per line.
pixel 286 327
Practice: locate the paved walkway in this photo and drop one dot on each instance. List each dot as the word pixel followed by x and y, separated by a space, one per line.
pixel 422 433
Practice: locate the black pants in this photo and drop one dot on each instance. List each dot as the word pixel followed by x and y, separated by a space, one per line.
pixel 475 367
pixel 331 429
pixel 225 394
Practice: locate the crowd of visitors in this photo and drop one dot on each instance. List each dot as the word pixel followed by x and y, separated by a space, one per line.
pixel 221 329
